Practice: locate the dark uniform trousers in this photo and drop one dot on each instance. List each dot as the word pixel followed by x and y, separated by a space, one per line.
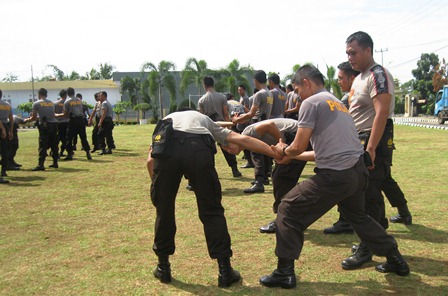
pixel 95 136
pixel 230 158
pixel 48 138
pixel 284 178
pixel 262 165
pixel 4 146
pixel 374 198
pixel 192 155
pixel 62 132
pixel 312 198
pixel 76 126
pixel 14 144
pixel 105 133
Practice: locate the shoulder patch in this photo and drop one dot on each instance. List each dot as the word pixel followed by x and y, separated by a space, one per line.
pixel 379 79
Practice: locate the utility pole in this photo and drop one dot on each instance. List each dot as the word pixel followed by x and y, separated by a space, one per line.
pixel 382 50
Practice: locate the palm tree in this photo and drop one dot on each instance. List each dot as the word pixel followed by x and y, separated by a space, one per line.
pixel 232 76
pixel 331 84
pixel 193 72
pixel 160 77
pixel 106 71
pixel 131 87
pixel 289 77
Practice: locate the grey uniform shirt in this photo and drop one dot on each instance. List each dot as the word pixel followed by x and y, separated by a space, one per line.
pixel 59 108
pixel 278 106
pixel 5 110
pixel 284 125
pixel 335 140
pixel 212 103
pixel 264 100
pixel 107 107
pixel 197 123
pixel 73 106
pixel 45 109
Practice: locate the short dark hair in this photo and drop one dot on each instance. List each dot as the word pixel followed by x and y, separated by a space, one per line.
pixel 275 79
pixel 260 76
pixel 229 96
pixel 208 81
pixel 364 40
pixel 308 72
pixel 347 69
pixel 78 95
pixel 42 92
pixel 70 91
pixel 104 93
pixel 63 93
pixel 242 86
pixel 290 87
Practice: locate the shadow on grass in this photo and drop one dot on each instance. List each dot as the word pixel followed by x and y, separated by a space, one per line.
pixel 24 181
pixel 396 285
pixel 420 232
pixel 238 192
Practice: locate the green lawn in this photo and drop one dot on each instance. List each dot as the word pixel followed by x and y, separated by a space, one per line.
pixel 86 228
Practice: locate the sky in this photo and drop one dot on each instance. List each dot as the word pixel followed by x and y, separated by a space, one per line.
pixel 269 35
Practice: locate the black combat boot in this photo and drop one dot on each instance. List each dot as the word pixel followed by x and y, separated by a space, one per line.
pixel 163 270
pixel 283 276
pixel 235 172
pixel 227 275
pixel 395 263
pixel 360 256
pixel 404 216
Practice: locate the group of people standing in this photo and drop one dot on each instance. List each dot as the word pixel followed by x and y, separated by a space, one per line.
pixel 351 145
pixel 61 122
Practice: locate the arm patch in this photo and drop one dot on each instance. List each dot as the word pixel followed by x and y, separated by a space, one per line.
pixel 380 79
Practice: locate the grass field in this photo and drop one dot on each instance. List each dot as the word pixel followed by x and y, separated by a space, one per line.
pixel 87 228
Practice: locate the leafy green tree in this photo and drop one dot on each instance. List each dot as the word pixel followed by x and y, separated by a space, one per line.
pixel 106 71
pixel 120 108
pixel 26 107
pixel 287 79
pixel 439 79
pixel 424 73
pixel 233 75
pixel 159 78
pixel 10 77
pixel 131 87
pixel 143 107
pixel 193 73
pixel 331 84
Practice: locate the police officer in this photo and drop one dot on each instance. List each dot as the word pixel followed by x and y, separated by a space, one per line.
pixel 341 178
pixel 2 136
pixel 286 174
pixel 6 117
pixel 260 110
pixel 13 165
pixel 76 124
pixel 96 113
pixel 193 149
pixel 371 106
pixel 105 125
pixel 48 129
pixel 214 105
pixel 62 121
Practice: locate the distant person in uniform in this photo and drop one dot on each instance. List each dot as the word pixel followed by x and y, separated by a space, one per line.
pixel 293 102
pixel 48 129
pixel 260 110
pixel 6 117
pixel 341 178
pixel 193 148
pixel 3 136
pixel 62 121
pixel 13 165
pixel 76 124
pixel 278 106
pixel 214 105
pixel 106 125
pixel 96 113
